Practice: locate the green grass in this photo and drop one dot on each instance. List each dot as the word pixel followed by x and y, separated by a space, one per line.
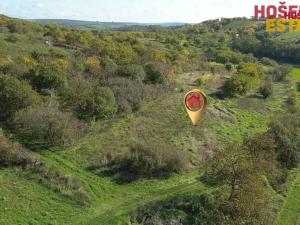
pixel 290 213
pixel 288 36
pixel 296 74
pixel 24 201
pixel 25 46
pixel 240 23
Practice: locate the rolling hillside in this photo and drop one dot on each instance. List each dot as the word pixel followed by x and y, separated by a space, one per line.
pixel 119 90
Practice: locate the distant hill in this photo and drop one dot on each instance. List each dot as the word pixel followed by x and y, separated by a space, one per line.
pixel 103 25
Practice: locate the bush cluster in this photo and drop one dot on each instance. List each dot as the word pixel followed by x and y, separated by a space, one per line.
pixel 146 160
pixel 12 154
pixel 48 125
pixel 15 95
pixel 183 209
pixel 89 100
pixel 129 94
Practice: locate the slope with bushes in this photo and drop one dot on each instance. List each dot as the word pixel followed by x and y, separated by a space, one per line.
pixel 100 116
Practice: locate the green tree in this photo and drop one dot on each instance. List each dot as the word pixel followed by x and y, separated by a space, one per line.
pixel 89 100
pixel 15 95
pixel 243 196
pixel 286 132
pixel 245 79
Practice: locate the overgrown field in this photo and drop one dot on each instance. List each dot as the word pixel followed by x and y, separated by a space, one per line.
pixel 93 125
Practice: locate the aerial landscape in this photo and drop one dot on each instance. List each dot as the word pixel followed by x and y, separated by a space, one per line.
pixel 94 131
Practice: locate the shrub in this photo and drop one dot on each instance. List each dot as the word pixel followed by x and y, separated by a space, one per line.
pixel 292 102
pixel 154 73
pixel 134 72
pixel 12 154
pixel 15 95
pixel 199 81
pixel 183 209
pixel 228 67
pixel 281 72
pixel 89 100
pixel 109 66
pixel 104 105
pixel 268 62
pixel 147 160
pixel 267 89
pixel 46 76
pixel 217 68
pixel 292 98
pixel 13 38
pixel 126 95
pixel 92 65
pixel 48 125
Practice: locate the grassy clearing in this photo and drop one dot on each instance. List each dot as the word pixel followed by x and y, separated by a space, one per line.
pixel 296 74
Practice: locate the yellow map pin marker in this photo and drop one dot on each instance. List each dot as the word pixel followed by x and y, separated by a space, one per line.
pixel 195 103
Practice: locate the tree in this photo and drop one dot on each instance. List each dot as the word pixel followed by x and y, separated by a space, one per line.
pixel 286 133
pixel 263 150
pixel 88 99
pixel 245 79
pixel 237 84
pixel 246 43
pixel 104 105
pixel 154 73
pixel 243 196
pixel 15 95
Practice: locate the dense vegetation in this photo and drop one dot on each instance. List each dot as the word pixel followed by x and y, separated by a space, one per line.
pixel 98 116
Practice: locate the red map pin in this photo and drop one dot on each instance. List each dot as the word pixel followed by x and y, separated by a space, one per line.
pixel 195 102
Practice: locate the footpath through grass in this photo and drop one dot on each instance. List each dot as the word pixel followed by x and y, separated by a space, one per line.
pixel 290 213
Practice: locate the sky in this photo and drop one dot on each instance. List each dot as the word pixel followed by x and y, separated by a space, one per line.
pixel 144 11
